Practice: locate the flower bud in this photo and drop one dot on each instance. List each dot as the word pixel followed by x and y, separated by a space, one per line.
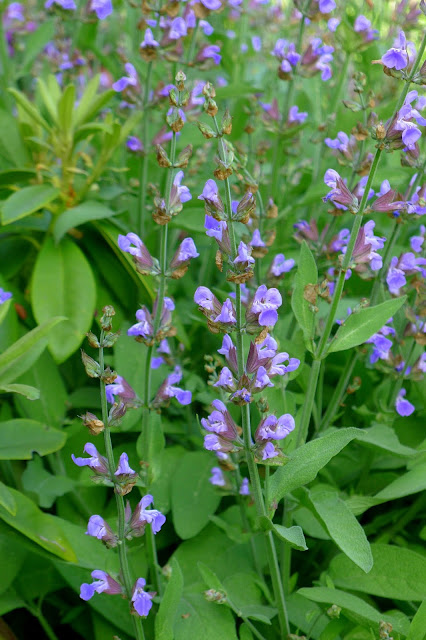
pixel 206 130
pixel 108 376
pixel 106 319
pixel 93 423
pixel 174 98
pixel 110 339
pixel 174 119
pixel 93 340
pixel 209 90
pixel 183 157
pixel 180 80
pixel 226 123
pixel 92 367
pixel 210 107
pixel 162 157
pixel 116 413
pixel 245 208
pixel 211 595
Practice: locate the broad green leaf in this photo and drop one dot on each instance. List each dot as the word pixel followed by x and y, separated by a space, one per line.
pixel 4 308
pixel 360 326
pixel 94 107
pixel 86 100
pixel 165 618
pixel 45 376
pixel 31 393
pixel 40 527
pixel 20 438
pixel 418 624
pixel 21 355
pixel 12 553
pixel 50 98
pixel 193 498
pixel 343 527
pixel 7 501
pixel 382 437
pixel 246 597
pixel 305 462
pixel 11 176
pixel 155 446
pixel 85 212
pixel 47 487
pixel 26 201
pixel 245 633
pixel 292 535
pixel 12 147
pixel 307 273
pixel 198 619
pixel 63 284
pixel 397 573
pixel 353 607
pixel 162 486
pixel 411 482
pixel 35 43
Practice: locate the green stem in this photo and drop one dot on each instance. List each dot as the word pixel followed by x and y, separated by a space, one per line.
pixel 122 553
pixel 45 624
pixel 302 431
pixel 193 42
pixel 342 79
pixel 338 392
pixel 256 486
pixel 143 179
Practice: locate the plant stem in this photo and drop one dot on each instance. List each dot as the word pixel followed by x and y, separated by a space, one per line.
pixel 122 553
pixel 256 486
pixel 342 78
pixel 144 164
pixel 337 396
pixel 193 42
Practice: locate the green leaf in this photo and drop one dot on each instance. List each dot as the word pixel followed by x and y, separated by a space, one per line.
pixel 20 438
pixel 43 484
pixel 293 535
pixel 193 498
pixel 12 147
pixel 31 393
pixel 418 624
pixel 63 284
pixel 7 501
pixel 85 212
pixel 209 577
pixel 35 43
pixel 26 201
pixel 40 527
pixel 343 527
pixel 305 462
pixel 397 573
pixel 65 108
pixel 165 618
pixel 360 326
pixel 353 607
pixel 411 482
pixel 21 355
pixel 196 618
pixel 11 176
pixel 86 100
pixel 29 109
pixel 307 273
pixel 382 437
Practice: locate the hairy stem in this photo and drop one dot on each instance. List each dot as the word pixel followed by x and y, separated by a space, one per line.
pixel 122 553
pixel 143 178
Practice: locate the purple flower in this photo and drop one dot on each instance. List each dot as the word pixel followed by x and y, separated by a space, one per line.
pixel 220 421
pixel 179 193
pixel 217 478
pixel 395 277
pixel 123 468
pixel 168 390
pixel 243 255
pixel 261 380
pixel 256 43
pixel 141 600
pixel 131 80
pixel 98 528
pixel 294 115
pixel 333 23
pixel 204 298
pixel 226 380
pixel 131 243
pixel 185 252
pixel 15 11
pixel 244 488
pixel 280 265
pixel 210 51
pixel 212 201
pixel 269 451
pixel 144 327
pixel 227 313
pixel 148 40
pixel 103 584
pixel 402 405
pixel 178 29
pixel 134 144
pixel 4 295
pixel 272 428
pixel 339 194
pixel 397 57
pixel 102 8
pixel 212 5
pixel 218 229
pixel 264 305
pixel 121 388
pixel 64 4
pixel 326 6
pixel 96 462
pixel 416 242
pixel 143 516
pixel 229 351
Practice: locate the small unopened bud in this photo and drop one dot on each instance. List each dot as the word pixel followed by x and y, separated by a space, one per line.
pixel 209 90
pixel 167 571
pixel 174 97
pixel 108 376
pixel 385 628
pixel 93 423
pixel 162 157
pixel 116 413
pixel 262 405
pixel 219 597
pixel 93 340
pixel 226 123
pixel 110 339
pixel 180 80
pixel 352 106
pixel 183 157
pixel 184 98
pixel 272 209
pixel 334 611
pixel 92 367
pixel 206 130
pixel 380 131
pixel 210 107
pixel 175 120
pixel 106 319
pixel 245 208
